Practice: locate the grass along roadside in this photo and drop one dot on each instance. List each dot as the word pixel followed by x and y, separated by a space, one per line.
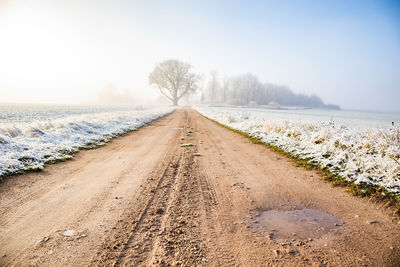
pixel 30 143
pixel 61 156
pixel 376 192
pixel 64 155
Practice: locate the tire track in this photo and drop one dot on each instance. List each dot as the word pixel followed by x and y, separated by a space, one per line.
pixel 144 233
pixel 214 209
pixel 181 242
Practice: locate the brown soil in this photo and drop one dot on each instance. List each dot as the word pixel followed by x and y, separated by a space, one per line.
pixel 144 200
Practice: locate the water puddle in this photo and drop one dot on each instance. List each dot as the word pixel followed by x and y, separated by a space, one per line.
pixel 303 224
pixel 177 128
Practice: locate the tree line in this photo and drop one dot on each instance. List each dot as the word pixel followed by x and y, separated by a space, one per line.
pixel 175 80
pixel 247 90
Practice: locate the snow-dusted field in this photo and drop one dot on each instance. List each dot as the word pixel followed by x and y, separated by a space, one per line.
pixel 361 147
pixel 30 136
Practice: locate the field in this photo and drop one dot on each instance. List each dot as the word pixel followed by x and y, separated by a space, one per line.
pixel 31 136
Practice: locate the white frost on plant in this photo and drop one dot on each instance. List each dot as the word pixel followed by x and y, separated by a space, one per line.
pixel 354 150
pixel 31 137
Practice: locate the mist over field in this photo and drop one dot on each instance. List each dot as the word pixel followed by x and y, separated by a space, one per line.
pixel 342 53
pixel 111 95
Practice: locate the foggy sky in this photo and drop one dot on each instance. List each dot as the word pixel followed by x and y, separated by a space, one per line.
pixel 347 52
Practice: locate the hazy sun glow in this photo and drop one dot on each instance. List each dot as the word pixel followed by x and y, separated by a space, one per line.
pixel 47 51
pixel 41 50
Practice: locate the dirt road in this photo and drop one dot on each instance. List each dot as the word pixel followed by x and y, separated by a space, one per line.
pixel 144 200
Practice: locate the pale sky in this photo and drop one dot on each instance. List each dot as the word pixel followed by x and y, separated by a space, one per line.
pixel 65 51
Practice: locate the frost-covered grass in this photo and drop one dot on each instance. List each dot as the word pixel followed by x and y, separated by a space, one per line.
pixel 30 137
pixel 355 152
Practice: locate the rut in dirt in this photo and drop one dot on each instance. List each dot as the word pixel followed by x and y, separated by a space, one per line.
pixel 167 229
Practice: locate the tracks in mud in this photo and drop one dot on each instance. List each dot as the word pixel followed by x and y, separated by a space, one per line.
pixel 165 228
pixel 179 217
pixel 146 229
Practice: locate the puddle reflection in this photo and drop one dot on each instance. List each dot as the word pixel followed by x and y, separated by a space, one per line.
pixel 300 224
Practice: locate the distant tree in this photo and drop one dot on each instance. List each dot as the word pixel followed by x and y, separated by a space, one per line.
pixel 174 79
pixel 213 86
pixel 202 95
pixel 247 88
pixel 112 95
pixel 225 89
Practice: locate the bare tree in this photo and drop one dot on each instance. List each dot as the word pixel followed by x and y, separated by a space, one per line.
pixel 225 88
pixel 174 79
pixel 213 85
pixel 202 96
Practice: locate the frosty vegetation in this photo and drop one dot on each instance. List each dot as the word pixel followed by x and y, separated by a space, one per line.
pixel 369 155
pixel 174 79
pixel 32 136
pixel 247 90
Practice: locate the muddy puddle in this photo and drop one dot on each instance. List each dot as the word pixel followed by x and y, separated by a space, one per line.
pixel 302 224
